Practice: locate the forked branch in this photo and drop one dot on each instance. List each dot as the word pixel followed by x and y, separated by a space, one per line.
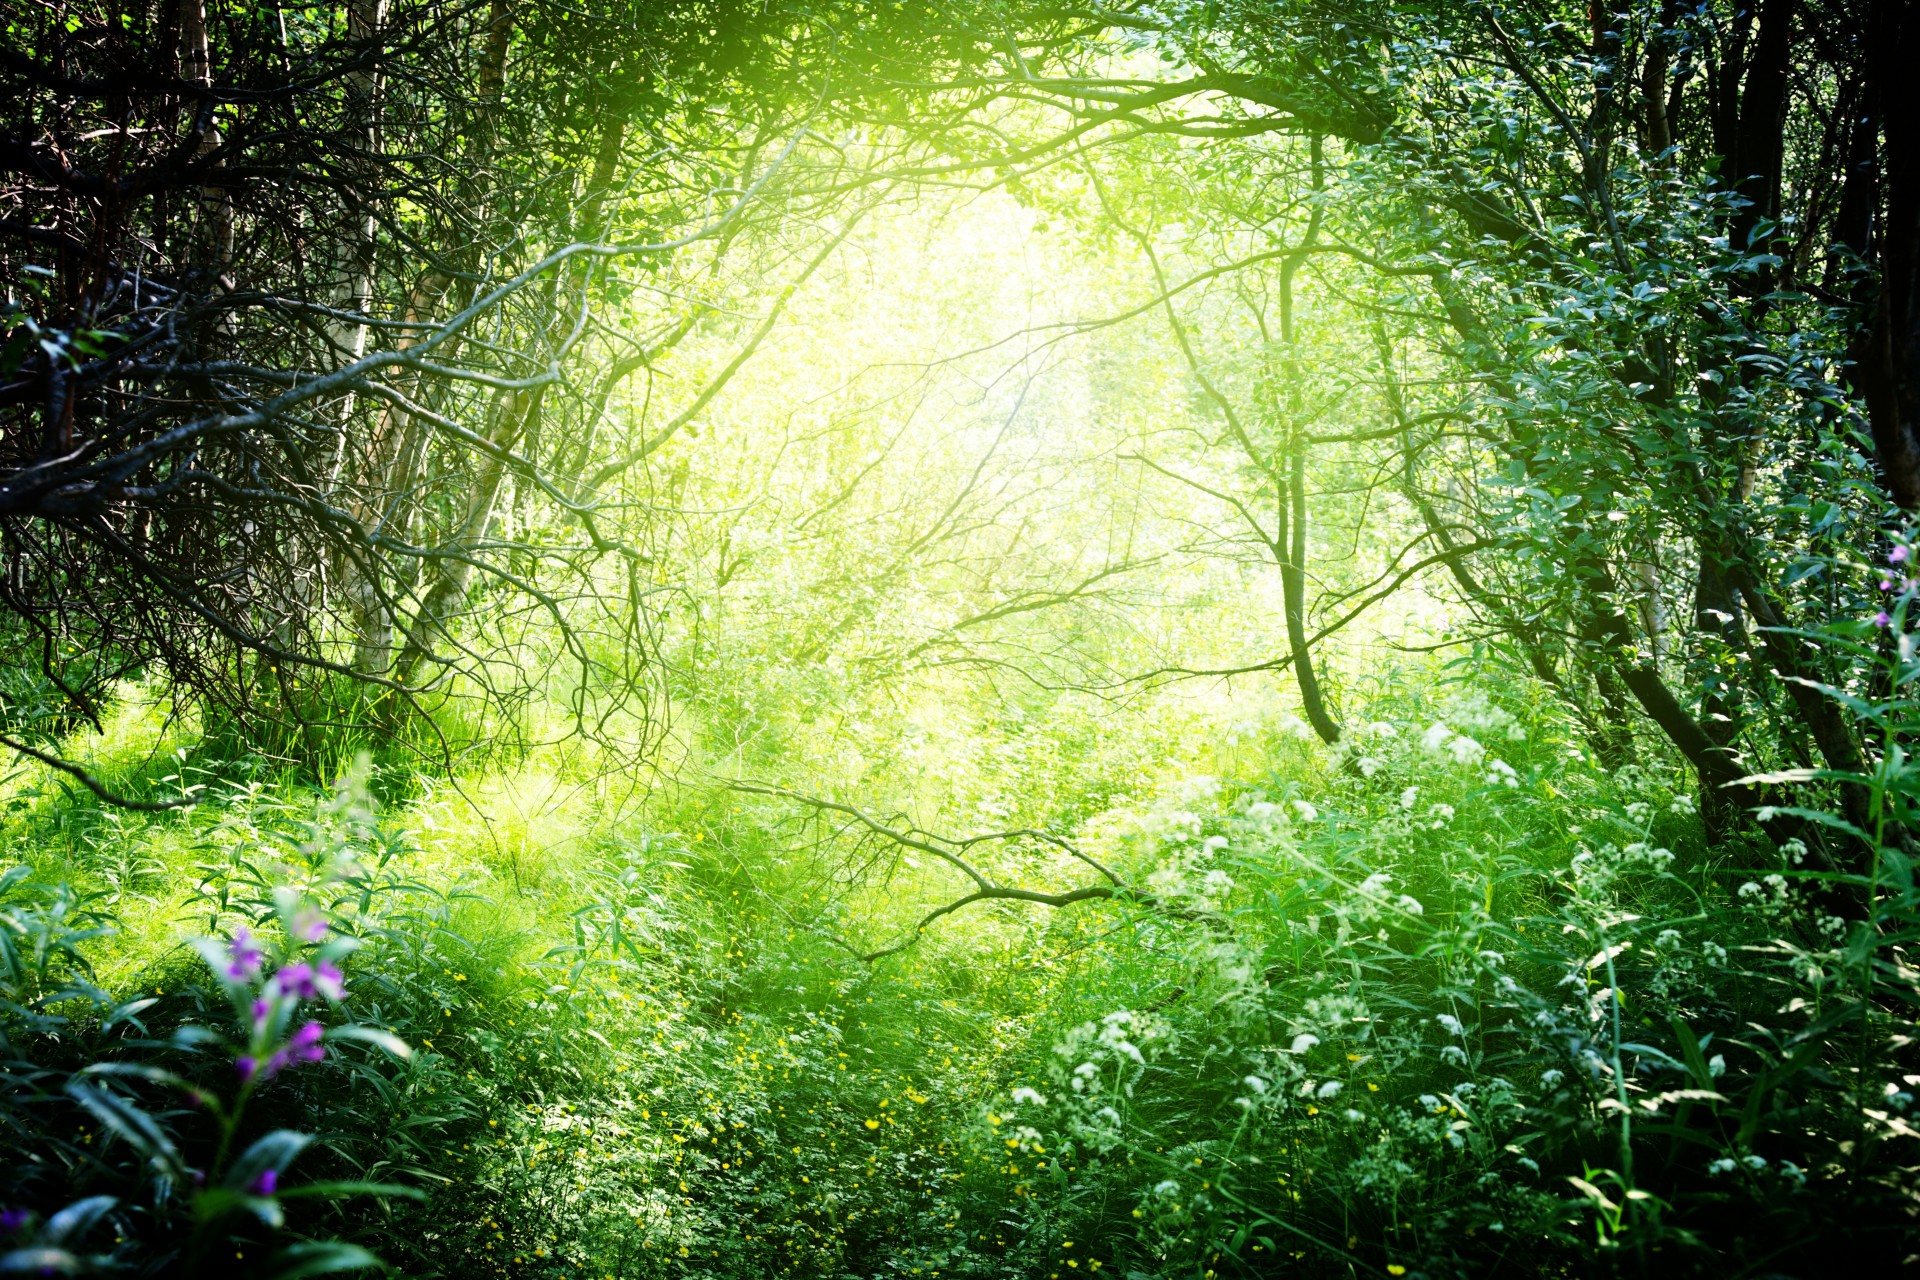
pixel 950 850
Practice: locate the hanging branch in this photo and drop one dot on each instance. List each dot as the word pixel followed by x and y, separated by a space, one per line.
pixel 950 850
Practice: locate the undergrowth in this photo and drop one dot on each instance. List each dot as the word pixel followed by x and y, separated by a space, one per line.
pixel 1449 1002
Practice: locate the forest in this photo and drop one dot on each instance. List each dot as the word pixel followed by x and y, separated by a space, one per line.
pixel 1007 639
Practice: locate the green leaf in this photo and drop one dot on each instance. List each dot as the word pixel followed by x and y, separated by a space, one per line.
pixel 274 1151
pixel 373 1035
pixel 77 1219
pixel 319 1257
pixel 132 1125
pixel 343 1188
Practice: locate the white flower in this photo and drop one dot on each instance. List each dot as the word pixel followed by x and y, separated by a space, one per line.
pixel 1435 737
pixel 1024 1094
pixel 1409 905
pixel 1441 814
pixel 1303 1042
pixel 1306 811
pixel 1256 1084
pixel 1408 796
pixel 1717 1065
pixel 1755 1162
pixel 1328 1090
pixel 1749 889
pixel 1167 1188
pixel 1722 1165
pixel 1465 750
pixel 1368 766
pixel 1551 1077
pixel 1682 804
pixel 1451 1023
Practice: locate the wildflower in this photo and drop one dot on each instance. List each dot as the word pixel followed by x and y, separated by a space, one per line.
pixel 309 925
pixel 1722 1165
pixel 264 1182
pixel 1882 619
pixel 1886 584
pixel 1328 1090
pixel 303 1046
pixel 1897 556
pixel 245 1065
pixel 1408 796
pixel 1304 1041
pixel 243 957
pixel 12 1220
pixel 1451 1023
pixel 309 982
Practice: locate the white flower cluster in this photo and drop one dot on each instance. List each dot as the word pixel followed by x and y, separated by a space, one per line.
pixel 1596 870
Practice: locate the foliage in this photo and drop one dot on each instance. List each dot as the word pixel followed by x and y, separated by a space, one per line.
pixel 983 640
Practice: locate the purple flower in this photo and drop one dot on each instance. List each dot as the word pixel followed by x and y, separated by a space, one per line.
pixel 261 1011
pixel 310 982
pixel 1886 584
pixel 11 1220
pixel 303 1046
pixel 296 980
pixel 1881 618
pixel 245 1065
pixel 1897 556
pixel 243 958
pixel 264 1182
pixel 309 925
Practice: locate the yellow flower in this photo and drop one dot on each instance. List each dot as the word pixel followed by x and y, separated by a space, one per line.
pixel 873 1124
pixel 1395 1269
